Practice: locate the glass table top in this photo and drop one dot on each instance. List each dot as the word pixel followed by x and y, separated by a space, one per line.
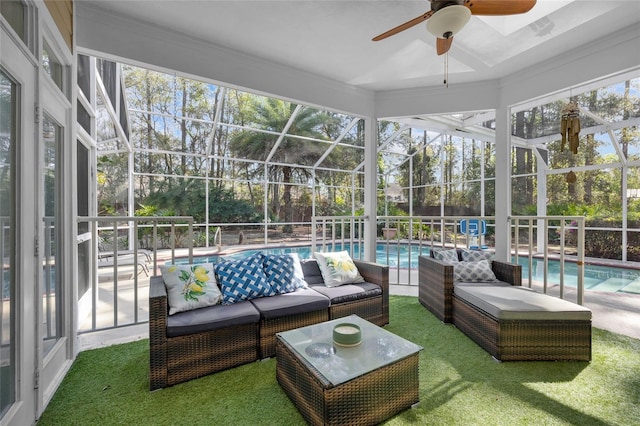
pixel 339 364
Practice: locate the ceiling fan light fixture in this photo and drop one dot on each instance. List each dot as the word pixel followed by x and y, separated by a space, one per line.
pixel 447 21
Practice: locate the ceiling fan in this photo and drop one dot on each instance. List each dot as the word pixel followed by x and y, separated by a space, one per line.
pixel 447 17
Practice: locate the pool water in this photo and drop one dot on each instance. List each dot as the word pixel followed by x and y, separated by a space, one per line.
pixel 596 277
pixel 402 256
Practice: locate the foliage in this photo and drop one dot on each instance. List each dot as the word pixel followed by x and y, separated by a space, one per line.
pixel 186 199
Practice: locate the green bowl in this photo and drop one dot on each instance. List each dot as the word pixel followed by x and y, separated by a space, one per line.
pixel 347 334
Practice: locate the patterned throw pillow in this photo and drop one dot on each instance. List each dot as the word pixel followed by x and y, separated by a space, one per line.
pixel 473 272
pixel 449 256
pixel 243 279
pixel 284 272
pixel 476 255
pixel 190 286
pixel 337 268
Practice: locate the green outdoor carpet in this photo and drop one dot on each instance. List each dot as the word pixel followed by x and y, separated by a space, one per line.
pixel 460 384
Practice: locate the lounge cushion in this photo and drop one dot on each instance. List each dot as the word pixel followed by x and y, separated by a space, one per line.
pixel 497 283
pixel 518 303
pixel 211 318
pixel 297 302
pixel 349 292
pixel 243 279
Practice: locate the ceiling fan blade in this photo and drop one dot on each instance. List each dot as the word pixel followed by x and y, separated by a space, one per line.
pixel 499 7
pixel 443 45
pixel 406 25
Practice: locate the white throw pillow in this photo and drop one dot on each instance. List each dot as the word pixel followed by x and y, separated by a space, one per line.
pixel 476 255
pixel 450 256
pixel 190 286
pixel 337 268
pixel 473 272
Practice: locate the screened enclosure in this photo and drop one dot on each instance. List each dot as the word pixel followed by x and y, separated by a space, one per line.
pixel 255 169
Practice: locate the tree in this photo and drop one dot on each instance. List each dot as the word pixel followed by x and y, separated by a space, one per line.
pixel 272 117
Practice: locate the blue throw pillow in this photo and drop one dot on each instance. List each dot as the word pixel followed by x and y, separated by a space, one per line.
pixel 242 279
pixel 284 272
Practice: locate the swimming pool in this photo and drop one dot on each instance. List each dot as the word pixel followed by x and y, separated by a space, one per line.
pixel 596 277
pixel 402 256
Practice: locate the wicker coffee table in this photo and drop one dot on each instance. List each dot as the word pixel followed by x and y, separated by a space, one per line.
pixel 335 385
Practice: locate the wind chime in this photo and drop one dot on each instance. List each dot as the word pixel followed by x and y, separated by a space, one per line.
pixel 570 132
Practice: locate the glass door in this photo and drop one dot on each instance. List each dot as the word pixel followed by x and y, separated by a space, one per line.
pixel 18 230
pixel 8 133
pixel 52 307
pixel 56 226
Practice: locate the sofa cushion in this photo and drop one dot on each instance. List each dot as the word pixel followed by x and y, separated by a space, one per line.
pixel 473 272
pixel 518 303
pixel 284 272
pixel 297 302
pixel 311 271
pixel 337 268
pixel 243 279
pixel 190 287
pixel 349 292
pixel 211 318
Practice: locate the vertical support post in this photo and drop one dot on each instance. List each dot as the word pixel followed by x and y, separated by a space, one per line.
pixel 625 210
pixel 135 275
pixel 370 187
pixel 266 204
pixel 94 272
pixel 502 182
pixel 190 236
pixel 580 260
pixel 115 272
pixel 562 236
pixel 541 201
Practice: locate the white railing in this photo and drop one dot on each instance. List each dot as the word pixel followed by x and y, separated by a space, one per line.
pixel 405 238
pixel 111 301
pixel 559 235
pixel 117 255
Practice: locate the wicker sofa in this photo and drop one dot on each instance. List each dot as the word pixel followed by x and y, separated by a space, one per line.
pixel 510 322
pixel 192 344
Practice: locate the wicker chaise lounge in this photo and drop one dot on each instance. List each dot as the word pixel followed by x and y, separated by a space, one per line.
pixel 518 324
pixel 435 286
pixel 510 322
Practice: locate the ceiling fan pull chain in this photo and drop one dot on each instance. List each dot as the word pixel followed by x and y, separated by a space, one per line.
pixel 446 69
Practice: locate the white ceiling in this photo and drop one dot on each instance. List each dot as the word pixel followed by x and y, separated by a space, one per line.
pixel 332 39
